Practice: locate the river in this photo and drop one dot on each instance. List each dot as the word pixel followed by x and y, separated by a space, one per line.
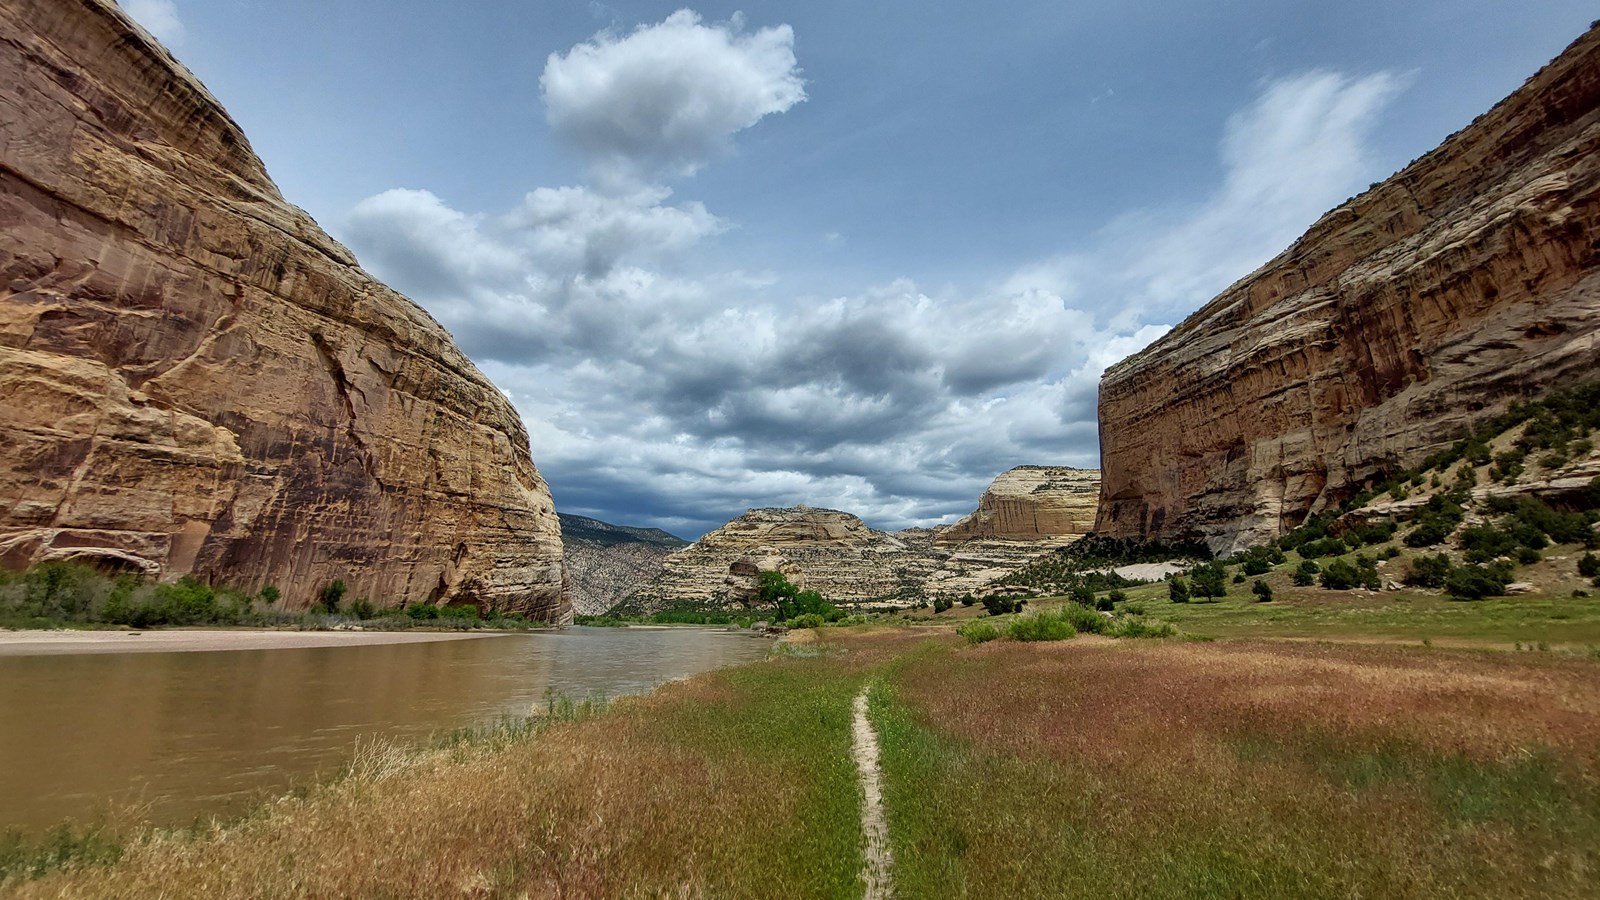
pixel 187 736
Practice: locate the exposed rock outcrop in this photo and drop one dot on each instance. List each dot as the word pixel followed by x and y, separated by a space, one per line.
pixel 831 552
pixel 1027 512
pixel 1468 280
pixel 606 563
pixel 194 378
pixel 1031 503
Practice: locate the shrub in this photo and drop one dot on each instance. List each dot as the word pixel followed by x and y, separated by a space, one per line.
pixel 1429 571
pixel 1435 522
pixel 1306 575
pixel 1069 620
pixel 941 604
pixel 997 605
pixel 1324 547
pixel 1105 604
pixel 978 631
pixel 270 595
pixel 1137 628
pixel 1256 566
pixel 188 601
pixel 362 608
pixel 1209 580
pixel 1082 595
pixel 1475 582
pixel 1178 590
pixel 1238 578
pixel 332 595
pixel 1340 576
pixel 422 611
pixel 1589 565
pixel 1262 590
pixel 1116 596
pixel 807 620
pixel 968 600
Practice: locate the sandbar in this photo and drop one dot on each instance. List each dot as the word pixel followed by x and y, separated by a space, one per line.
pixel 60 643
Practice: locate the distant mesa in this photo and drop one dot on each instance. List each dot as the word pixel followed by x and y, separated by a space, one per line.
pixel 195 379
pixel 1427 305
pixel 1027 512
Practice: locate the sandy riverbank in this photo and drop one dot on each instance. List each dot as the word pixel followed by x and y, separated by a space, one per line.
pixel 57 643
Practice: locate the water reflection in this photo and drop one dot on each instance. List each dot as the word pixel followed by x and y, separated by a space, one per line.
pixel 200 734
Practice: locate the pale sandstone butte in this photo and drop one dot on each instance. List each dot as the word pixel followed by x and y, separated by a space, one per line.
pixel 1032 503
pixel 825 550
pixel 195 379
pixel 1469 280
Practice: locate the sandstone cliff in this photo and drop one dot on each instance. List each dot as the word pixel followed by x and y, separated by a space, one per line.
pixel 1032 503
pixel 194 378
pixel 1027 512
pixel 824 550
pixel 606 563
pixel 1468 280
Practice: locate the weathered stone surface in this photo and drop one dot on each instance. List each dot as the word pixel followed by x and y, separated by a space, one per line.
pixel 1026 513
pixel 824 550
pixel 1031 503
pixel 1468 280
pixel 194 378
pixel 606 563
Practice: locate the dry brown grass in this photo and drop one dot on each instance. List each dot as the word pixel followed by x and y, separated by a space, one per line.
pixel 662 796
pixel 1169 769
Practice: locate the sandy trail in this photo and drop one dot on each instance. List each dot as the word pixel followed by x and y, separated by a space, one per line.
pixel 876 866
pixel 59 643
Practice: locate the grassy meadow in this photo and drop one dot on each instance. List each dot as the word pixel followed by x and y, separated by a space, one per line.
pixel 1091 765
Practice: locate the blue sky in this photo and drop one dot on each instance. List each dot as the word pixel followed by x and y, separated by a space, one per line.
pixel 863 256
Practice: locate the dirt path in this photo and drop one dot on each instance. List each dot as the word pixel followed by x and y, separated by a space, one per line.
pixel 875 868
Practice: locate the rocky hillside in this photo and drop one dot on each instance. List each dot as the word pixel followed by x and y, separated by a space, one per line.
pixel 1400 320
pixel 1027 512
pixel 606 563
pixel 1032 503
pixel 195 379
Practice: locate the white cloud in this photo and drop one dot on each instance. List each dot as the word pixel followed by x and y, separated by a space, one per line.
pixel 667 98
pixel 680 400
pixel 159 17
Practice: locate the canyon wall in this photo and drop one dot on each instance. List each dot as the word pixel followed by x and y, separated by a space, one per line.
pixel 195 379
pixel 1469 280
pixel 606 563
pixel 1031 503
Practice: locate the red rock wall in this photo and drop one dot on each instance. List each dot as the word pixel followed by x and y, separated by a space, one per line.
pixel 1468 280
pixel 194 378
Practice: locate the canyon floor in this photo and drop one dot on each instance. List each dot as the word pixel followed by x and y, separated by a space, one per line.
pixel 1368 765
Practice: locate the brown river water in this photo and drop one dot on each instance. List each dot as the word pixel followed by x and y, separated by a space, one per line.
pixel 181 737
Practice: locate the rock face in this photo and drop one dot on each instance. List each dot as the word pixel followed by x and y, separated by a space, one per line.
pixel 1031 503
pixel 194 378
pixel 823 550
pixel 1027 512
pixel 606 563
pixel 1469 280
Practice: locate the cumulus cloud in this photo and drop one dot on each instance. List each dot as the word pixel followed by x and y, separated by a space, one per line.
pixel 665 99
pixel 653 396
pixel 159 17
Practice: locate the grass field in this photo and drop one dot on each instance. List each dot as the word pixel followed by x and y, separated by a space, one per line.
pixel 1083 767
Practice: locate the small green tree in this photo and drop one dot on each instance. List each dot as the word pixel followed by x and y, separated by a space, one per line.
pixel 1178 590
pixel 1589 565
pixel 1340 576
pixel 332 595
pixel 1262 590
pixel 270 595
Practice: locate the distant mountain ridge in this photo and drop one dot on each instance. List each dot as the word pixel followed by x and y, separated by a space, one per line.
pixel 587 529
pixel 606 562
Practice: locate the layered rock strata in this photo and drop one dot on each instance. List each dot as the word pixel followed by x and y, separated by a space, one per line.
pixel 195 379
pixel 831 552
pixel 1031 503
pixel 1026 513
pixel 606 563
pixel 1469 280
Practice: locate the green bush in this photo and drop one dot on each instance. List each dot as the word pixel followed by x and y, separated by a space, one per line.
pixel 363 609
pixel 1306 574
pixel 807 620
pixel 1137 628
pixel 332 595
pixel 968 600
pixel 270 595
pixel 1105 604
pixel 1082 595
pixel 1060 624
pixel 1262 590
pixel 1177 589
pixel 941 604
pixel 1474 582
pixel 978 631
pixel 1435 522
pixel 1209 580
pixel 1116 596
pixel 1340 576
pixel 997 605
pixel 1429 571
pixel 1325 547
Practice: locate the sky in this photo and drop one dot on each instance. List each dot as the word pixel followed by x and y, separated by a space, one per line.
pixel 856 256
